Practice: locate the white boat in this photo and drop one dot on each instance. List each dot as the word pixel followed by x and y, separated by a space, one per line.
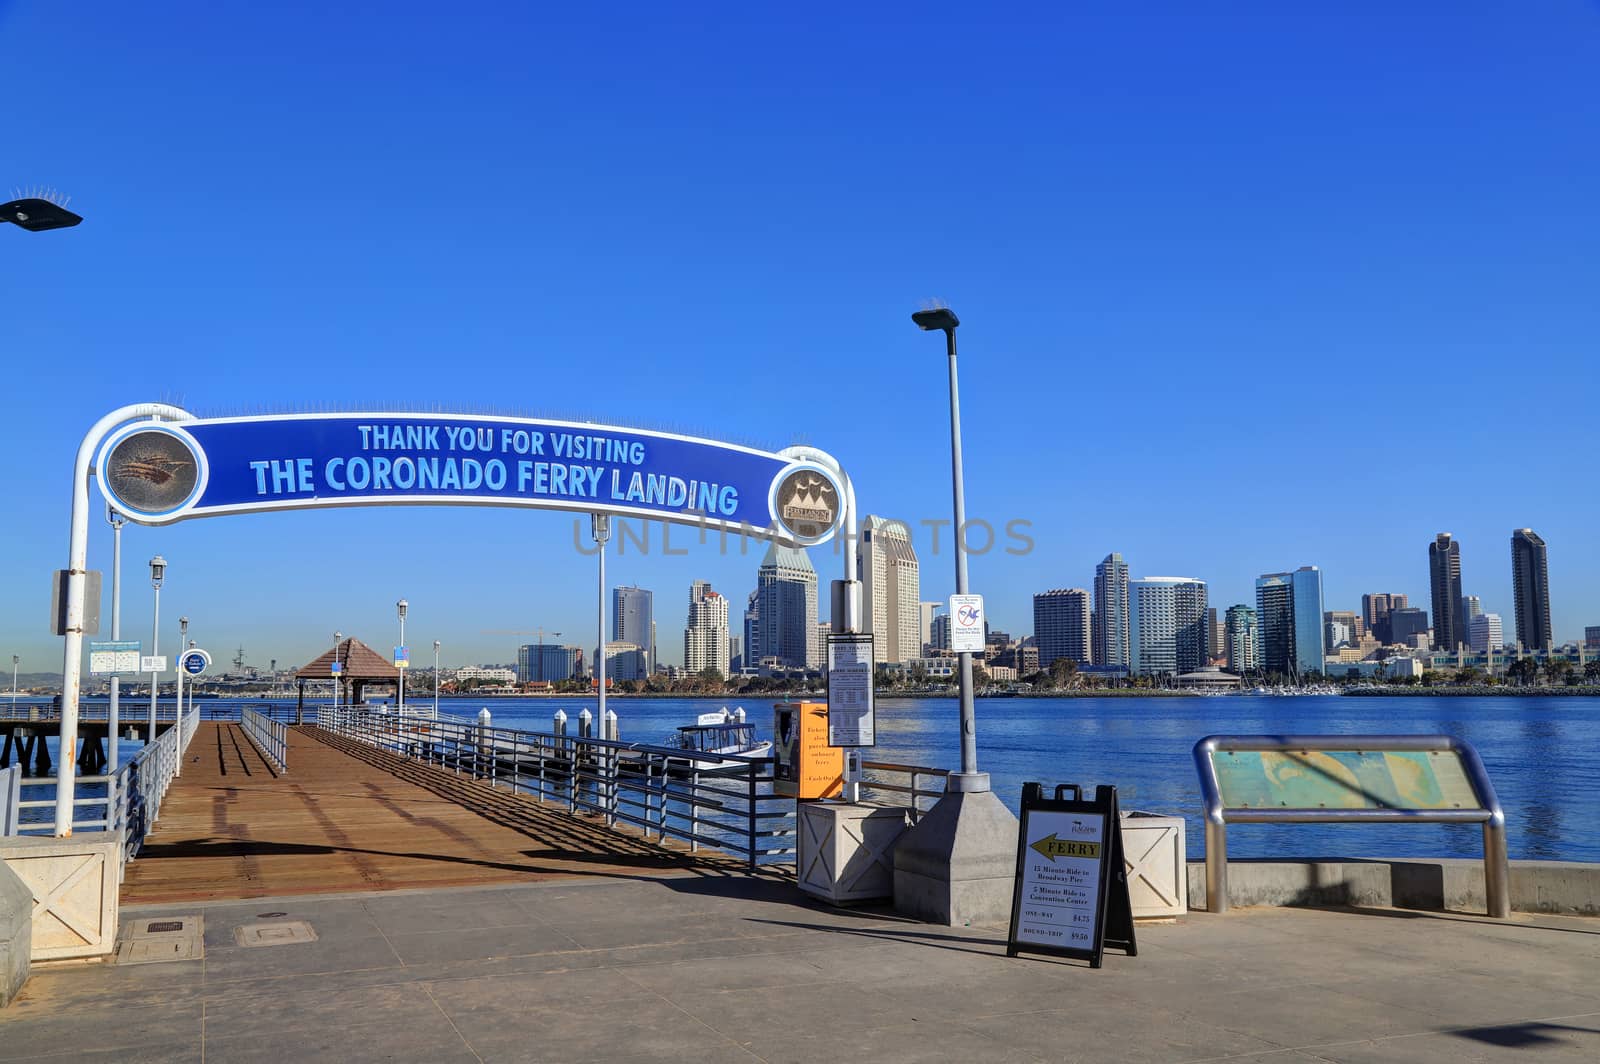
pixel 716 737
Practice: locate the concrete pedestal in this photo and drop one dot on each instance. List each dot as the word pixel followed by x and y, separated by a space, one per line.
pixel 958 865
pixel 72 891
pixel 16 933
pixel 846 852
pixel 1155 858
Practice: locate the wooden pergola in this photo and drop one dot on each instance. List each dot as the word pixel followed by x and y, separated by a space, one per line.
pixel 360 666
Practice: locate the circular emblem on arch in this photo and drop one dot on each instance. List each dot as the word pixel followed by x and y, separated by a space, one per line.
pixel 151 471
pixel 805 502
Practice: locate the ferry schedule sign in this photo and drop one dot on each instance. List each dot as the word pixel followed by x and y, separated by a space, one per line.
pixel 1071 892
pixel 850 704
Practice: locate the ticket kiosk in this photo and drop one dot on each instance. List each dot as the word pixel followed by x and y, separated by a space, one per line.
pixel 805 766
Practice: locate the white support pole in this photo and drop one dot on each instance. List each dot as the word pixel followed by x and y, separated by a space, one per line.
pixel 601 526
pixel 77 568
pixel 113 713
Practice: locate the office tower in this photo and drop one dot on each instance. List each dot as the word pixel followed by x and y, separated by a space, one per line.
pixel 786 602
pixel 1407 624
pixel 705 637
pixel 1375 610
pixel 1341 626
pixel 1061 625
pixel 1289 616
pixel 1486 634
pixel 1591 637
pixel 1243 639
pixel 939 633
pixel 928 610
pixel 1166 625
pixel 752 631
pixel 735 652
pixel 1530 588
pixel 625 661
pixel 1471 606
pixel 891 590
pixel 548 663
pixel 633 621
pixel 1444 579
pixel 1216 643
pixel 1110 642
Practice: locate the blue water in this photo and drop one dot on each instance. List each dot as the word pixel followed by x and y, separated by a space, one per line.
pixel 1543 755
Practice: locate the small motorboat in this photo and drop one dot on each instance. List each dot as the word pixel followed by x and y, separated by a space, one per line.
pixel 716 737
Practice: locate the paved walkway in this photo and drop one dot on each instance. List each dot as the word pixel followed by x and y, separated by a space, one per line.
pixel 349 817
pixel 733 970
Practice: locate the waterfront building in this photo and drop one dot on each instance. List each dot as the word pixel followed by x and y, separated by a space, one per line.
pixel 705 637
pixel 1342 626
pixel 548 662
pixel 1061 626
pixel 1289 614
pixel 1110 643
pixel 1485 633
pixel 786 604
pixel 625 661
pixel 633 621
pixel 1530 588
pixel 1444 580
pixel 1375 610
pixel 488 673
pixel 891 590
pixel 1407 625
pixel 939 633
pixel 928 610
pixel 1216 648
pixel 1166 625
pixel 1243 639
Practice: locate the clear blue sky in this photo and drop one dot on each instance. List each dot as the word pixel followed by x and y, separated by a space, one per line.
pixel 1244 287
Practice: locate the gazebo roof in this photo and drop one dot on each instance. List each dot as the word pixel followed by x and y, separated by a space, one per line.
pixel 360 662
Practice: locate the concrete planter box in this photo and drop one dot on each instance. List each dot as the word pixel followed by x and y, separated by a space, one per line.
pixel 73 882
pixel 846 852
pixel 1157 865
pixel 16 933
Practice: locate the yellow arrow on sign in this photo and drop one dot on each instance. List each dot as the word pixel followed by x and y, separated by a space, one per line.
pixel 1052 847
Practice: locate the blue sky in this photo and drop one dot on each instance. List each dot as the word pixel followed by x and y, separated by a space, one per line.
pixel 1243 288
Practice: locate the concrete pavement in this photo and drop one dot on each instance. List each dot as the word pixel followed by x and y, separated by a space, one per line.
pixel 728 968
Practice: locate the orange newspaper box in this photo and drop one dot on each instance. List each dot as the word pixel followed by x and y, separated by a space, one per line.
pixel 805 766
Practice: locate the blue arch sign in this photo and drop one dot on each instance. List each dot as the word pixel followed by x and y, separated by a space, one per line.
pixel 157 472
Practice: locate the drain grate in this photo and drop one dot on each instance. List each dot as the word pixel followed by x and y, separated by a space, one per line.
pixel 276 934
pixel 162 926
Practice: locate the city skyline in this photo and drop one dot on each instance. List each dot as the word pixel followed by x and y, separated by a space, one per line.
pixel 627 232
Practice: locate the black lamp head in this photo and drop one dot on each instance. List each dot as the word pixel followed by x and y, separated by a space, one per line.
pixel 937 318
pixel 37 215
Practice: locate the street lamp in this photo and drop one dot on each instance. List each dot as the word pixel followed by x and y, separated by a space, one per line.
pixel 113 718
pixel 36 215
pixel 158 572
pixel 177 693
pixel 400 702
pixel 436 679
pixel 15 661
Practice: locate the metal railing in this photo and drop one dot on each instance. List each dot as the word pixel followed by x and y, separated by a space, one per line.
pixel 882 784
pixel 269 736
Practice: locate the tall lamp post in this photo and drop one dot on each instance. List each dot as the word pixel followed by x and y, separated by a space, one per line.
pixel 158 572
pixel 335 671
pixel 113 718
pixel 957 866
pixel 177 719
pixel 15 661
pixel 400 705
pixel 436 679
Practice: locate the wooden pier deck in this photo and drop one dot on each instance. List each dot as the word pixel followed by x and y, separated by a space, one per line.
pixel 347 817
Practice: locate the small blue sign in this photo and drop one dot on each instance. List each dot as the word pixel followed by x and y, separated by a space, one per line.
pixel 336 668
pixel 194 661
pixel 402 657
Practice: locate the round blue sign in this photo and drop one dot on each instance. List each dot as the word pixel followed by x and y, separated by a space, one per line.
pixel 194 662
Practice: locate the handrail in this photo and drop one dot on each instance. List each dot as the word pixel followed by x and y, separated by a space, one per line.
pixel 269 736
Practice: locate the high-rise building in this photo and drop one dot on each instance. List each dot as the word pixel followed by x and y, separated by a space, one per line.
pixel 786 604
pixel 1243 639
pixel 705 637
pixel 1444 580
pixel 1217 647
pixel 752 631
pixel 1289 615
pixel 1407 623
pixel 891 590
pixel 1486 634
pixel 633 621
pixel 1341 626
pixel 1375 609
pixel 625 661
pixel 939 633
pixel 1110 642
pixel 1530 587
pixel 1166 625
pixel 928 610
pixel 1591 637
pixel 1061 625
pixel 548 663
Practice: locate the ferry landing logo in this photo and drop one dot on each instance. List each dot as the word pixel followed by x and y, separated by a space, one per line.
pixel 151 472
pixel 808 504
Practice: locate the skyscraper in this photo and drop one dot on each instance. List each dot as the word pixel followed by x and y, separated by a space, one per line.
pixel 1444 579
pixel 1289 615
pixel 1243 639
pixel 1217 648
pixel 1486 634
pixel 548 662
pixel 633 621
pixel 928 609
pixel 1375 610
pixel 1166 625
pixel 1110 642
pixel 939 633
pixel 705 637
pixel 1341 626
pixel 1407 624
pixel 891 590
pixel 1530 588
pixel 786 602
pixel 751 655
pixel 1061 626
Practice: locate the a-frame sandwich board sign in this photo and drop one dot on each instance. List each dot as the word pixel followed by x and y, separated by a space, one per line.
pixel 1071 892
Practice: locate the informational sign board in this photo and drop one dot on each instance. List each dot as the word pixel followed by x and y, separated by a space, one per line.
pixel 194 661
pixel 402 657
pixel 966 624
pixel 1071 893
pixel 108 658
pixel 335 668
pixel 152 663
pixel 850 703
pixel 1342 779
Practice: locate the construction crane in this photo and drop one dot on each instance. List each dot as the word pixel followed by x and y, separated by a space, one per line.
pixel 537 633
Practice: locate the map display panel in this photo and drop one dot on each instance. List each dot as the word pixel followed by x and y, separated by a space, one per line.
pixel 1342 779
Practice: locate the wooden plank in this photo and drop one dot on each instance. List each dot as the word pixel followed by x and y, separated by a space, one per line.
pixel 349 817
